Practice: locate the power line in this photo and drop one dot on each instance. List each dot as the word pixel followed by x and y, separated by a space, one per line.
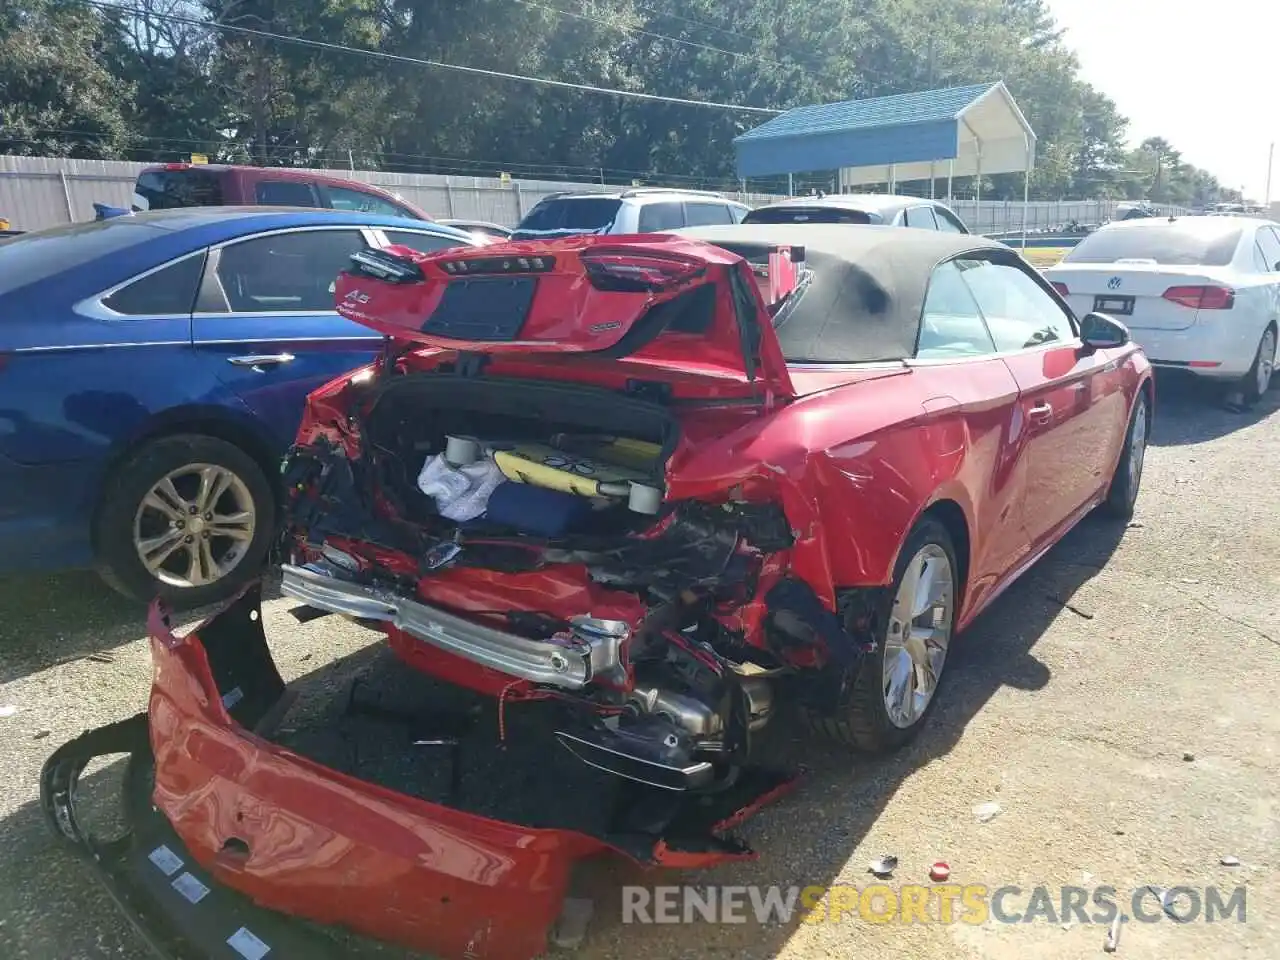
pixel 439 64
pixel 697 23
pixel 340 155
pixel 649 33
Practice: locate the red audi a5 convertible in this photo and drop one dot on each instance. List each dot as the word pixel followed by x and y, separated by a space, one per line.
pixel 613 500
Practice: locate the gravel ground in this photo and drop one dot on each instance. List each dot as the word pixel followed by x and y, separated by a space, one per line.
pixel 1119 704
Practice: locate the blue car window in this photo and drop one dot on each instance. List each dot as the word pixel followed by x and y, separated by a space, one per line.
pixel 33 257
pixel 286 272
pixel 422 242
pixel 169 291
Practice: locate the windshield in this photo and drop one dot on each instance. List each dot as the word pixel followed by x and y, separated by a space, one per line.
pixel 1205 243
pixel 809 215
pixel 167 189
pixel 579 214
pixel 33 257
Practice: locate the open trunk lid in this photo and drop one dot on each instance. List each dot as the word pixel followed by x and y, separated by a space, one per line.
pixel 1142 294
pixel 660 300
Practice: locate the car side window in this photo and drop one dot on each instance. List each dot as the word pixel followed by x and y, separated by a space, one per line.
pixel 947 223
pixel 951 324
pixel 1259 258
pixel 286 272
pixel 1270 246
pixel 921 217
pixel 1019 313
pixel 285 193
pixel 169 291
pixel 422 242
pixel 656 217
pixel 706 214
pixel 340 198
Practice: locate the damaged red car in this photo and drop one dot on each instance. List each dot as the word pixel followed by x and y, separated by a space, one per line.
pixel 614 502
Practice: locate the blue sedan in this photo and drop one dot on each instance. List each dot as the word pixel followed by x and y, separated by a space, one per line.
pixel 152 372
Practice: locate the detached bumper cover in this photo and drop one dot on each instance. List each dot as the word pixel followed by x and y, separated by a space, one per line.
pixel 179 908
pixel 237 843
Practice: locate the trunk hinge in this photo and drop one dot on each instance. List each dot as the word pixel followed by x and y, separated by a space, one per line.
pixel 470 364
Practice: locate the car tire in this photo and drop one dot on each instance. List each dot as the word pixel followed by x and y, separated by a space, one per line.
pixel 1258 380
pixel 1122 494
pixel 864 720
pixel 203 508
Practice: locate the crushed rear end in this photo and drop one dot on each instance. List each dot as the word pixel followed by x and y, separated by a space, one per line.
pixel 591 665
pixel 238 833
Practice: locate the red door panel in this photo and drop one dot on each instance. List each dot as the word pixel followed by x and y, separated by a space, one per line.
pixel 973 412
pixel 1068 432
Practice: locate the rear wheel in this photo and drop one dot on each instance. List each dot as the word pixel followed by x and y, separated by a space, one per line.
pixel 1122 495
pixel 187 518
pixel 1258 380
pixel 895 687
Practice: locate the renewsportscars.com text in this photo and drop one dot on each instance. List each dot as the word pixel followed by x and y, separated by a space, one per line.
pixel 942 903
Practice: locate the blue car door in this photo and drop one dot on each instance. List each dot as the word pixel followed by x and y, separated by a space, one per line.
pixel 265 314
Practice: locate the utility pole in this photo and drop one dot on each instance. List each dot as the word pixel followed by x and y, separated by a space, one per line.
pixel 1271 156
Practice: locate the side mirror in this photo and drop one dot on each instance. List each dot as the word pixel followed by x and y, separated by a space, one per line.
pixel 1101 332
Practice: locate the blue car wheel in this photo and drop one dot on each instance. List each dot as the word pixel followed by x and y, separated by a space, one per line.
pixel 188 518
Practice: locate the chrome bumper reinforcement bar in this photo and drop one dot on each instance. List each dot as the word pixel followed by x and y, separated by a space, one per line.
pixel 571 664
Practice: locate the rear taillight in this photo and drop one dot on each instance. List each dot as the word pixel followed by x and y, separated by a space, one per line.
pixel 1062 289
pixel 1209 297
pixel 177 166
pixel 628 272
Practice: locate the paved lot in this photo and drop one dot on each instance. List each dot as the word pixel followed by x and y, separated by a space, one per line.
pixel 1071 705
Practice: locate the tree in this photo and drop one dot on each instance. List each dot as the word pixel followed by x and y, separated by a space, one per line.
pixel 59 93
pixel 1100 155
pixel 160 79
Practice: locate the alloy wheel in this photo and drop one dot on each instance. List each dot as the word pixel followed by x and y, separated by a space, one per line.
pixel 1137 445
pixel 920 627
pixel 195 525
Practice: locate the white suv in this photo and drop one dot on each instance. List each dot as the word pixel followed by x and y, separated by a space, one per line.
pixel 639 210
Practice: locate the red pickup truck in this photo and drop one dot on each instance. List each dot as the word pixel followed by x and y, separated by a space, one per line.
pixel 216 185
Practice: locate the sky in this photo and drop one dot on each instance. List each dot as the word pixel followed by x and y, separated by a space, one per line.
pixel 1203 75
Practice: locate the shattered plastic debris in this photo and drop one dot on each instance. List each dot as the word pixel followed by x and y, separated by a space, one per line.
pixel 8 710
pixel 1229 862
pixel 986 812
pixel 1112 943
pixel 883 866
pixel 1166 900
pixel 1188 757
pixel 571 928
pixel 41 734
pixel 940 872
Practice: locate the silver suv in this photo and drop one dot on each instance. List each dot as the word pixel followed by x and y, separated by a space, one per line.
pixel 638 210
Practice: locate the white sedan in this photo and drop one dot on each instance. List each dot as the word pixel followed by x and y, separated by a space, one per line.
pixel 1198 293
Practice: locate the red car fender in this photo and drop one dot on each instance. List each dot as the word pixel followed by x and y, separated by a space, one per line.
pixel 851 499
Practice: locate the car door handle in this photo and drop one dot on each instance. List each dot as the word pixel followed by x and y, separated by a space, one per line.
pixel 1041 412
pixel 258 361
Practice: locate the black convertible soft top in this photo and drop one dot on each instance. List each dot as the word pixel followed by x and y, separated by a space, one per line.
pixel 868 284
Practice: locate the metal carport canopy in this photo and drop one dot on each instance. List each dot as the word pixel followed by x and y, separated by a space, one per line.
pixel 958 131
